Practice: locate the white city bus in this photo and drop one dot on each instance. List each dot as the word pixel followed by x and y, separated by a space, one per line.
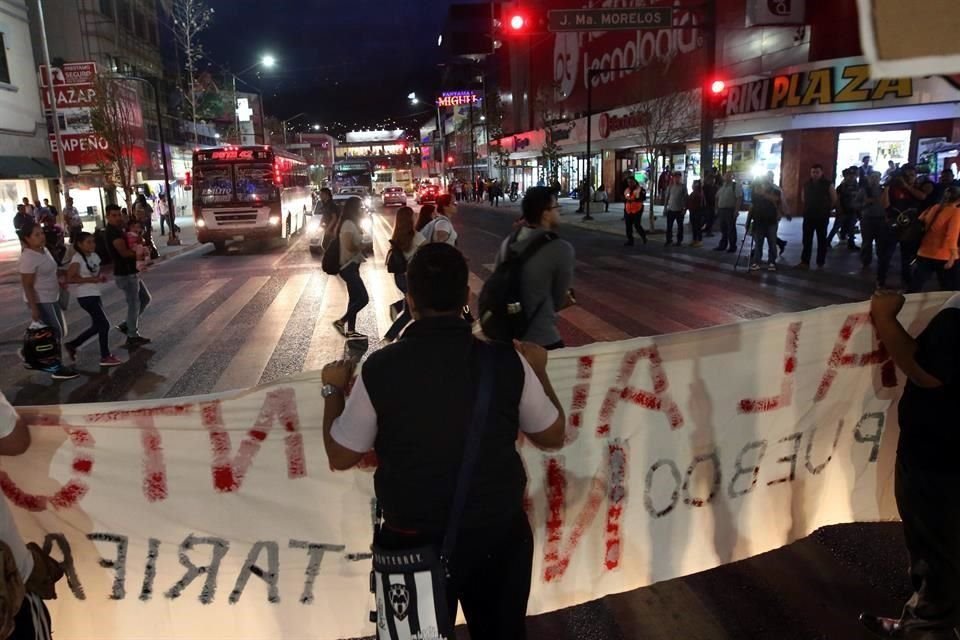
pixel 249 193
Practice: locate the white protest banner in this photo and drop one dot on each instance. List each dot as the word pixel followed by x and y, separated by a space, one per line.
pixel 217 517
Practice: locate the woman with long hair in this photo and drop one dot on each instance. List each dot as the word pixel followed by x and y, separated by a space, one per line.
pixel 351 255
pixel 938 251
pixel 440 228
pixel 406 239
pixel 41 287
pixel 84 272
pixel 427 212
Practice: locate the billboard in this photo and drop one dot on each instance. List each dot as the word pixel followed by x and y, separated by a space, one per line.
pixel 75 92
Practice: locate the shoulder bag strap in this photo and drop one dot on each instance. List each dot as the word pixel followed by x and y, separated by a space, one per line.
pixel 471 452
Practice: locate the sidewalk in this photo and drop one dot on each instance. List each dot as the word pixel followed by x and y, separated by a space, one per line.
pixel 10 249
pixel 606 222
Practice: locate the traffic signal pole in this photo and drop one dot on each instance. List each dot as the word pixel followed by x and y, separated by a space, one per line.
pixel 707 114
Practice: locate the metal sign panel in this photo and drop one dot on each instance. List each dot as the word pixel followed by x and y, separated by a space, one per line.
pixel 610 19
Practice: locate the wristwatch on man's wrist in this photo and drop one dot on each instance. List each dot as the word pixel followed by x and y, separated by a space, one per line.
pixel 329 390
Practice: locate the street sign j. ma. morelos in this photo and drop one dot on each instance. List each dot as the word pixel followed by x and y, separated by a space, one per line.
pixel 610 19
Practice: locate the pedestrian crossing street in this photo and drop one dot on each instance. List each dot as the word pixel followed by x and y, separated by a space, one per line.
pixel 222 322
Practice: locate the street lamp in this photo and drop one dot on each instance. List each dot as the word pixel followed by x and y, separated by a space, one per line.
pixel 316 127
pixel 266 61
pixel 412 97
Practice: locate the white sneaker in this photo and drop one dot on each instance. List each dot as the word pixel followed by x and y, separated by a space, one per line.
pixel 754 267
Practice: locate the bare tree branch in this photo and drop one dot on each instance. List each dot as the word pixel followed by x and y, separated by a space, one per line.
pixel 190 19
pixel 114 116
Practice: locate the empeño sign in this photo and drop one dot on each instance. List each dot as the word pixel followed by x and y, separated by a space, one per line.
pixel 609 19
pixel 821 86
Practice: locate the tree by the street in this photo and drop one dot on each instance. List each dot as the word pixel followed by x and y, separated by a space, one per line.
pixel 552 120
pixel 495 133
pixel 667 121
pixel 115 117
pixel 190 19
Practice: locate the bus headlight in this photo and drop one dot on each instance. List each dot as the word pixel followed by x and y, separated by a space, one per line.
pixel 368 201
pixel 201 223
pixel 313 226
pixel 366 225
pixel 274 221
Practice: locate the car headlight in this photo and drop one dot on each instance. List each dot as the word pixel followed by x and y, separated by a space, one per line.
pixel 368 201
pixel 274 221
pixel 366 225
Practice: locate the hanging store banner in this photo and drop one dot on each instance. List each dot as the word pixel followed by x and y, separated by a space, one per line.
pixel 75 92
pixel 217 517
pixel 899 41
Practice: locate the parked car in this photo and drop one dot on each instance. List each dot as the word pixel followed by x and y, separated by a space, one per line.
pixel 394 196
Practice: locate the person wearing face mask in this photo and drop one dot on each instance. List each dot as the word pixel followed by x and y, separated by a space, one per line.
pixel 547 274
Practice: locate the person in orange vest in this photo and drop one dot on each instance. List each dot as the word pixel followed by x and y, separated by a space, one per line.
pixel 633 210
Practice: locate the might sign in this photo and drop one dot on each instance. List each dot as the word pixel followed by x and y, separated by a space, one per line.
pixel 610 19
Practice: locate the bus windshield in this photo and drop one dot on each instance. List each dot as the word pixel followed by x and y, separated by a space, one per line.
pixel 214 184
pixel 255 183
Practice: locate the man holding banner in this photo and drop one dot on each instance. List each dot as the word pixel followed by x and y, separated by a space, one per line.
pixel 926 469
pixel 424 440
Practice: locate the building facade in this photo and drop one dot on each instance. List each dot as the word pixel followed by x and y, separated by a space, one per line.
pixel 25 166
pixel 798 93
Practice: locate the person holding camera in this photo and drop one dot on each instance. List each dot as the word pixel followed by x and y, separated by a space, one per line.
pixel 903 199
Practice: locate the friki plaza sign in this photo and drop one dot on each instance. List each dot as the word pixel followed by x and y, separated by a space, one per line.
pixel 824 86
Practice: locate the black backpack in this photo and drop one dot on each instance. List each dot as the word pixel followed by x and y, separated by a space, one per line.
pixel 330 263
pixel 103 246
pixel 502 316
pixel 396 261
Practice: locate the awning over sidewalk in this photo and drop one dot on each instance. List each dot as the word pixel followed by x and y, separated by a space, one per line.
pixel 26 168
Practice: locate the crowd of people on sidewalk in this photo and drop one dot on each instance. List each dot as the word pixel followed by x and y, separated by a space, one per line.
pixel 889 211
pixel 52 273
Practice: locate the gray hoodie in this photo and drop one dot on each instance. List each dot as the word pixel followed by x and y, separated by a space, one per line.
pixel 547 277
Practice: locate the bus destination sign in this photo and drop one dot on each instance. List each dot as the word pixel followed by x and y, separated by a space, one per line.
pixel 610 19
pixel 233 154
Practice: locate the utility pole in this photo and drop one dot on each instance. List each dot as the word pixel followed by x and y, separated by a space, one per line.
pixel 52 95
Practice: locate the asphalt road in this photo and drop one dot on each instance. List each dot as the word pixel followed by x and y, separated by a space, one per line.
pixel 223 321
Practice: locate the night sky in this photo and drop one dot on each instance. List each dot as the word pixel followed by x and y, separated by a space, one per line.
pixel 347 61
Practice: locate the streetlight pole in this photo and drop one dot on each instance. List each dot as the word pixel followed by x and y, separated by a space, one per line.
pixel 290 119
pixel 52 95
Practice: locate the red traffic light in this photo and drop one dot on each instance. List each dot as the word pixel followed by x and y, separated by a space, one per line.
pixel 717 87
pixel 450 159
pixel 517 22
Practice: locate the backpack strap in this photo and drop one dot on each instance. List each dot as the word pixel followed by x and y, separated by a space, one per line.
pixel 471 452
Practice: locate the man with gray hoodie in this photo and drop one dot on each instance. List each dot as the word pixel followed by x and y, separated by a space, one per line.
pixel 548 273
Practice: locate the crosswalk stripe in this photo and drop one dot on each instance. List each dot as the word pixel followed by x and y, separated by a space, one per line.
pixel 246 367
pixel 174 364
pixel 324 346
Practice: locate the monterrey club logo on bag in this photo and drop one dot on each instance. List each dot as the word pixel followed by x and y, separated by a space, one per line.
pixel 399 598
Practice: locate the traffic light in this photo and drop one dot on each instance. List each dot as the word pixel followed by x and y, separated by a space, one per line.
pixel 716 98
pixel 517 23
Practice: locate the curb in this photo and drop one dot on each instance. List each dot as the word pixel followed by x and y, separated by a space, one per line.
pixel 566 219
pixel 183 250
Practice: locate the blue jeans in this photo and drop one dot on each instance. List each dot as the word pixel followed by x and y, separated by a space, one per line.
pixel 765 231
pixel 93 305
pixel 52 315
pixel 404 318
pixel 675 217
pixel 356 292
pixel 138 299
